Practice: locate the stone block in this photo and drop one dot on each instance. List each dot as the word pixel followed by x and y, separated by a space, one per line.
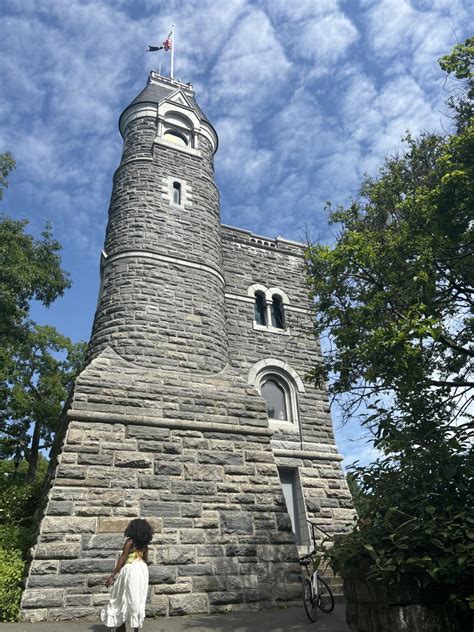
pixel 80 600
pixel 44 598
pixel 192 536
pixel 60 508
pixel 203 473
pixel 66 524
pixel 180 554
pixel 87 565
pixel 44 567
pixel 71 614
pixel 191 510
pixel 113 525
pixel 162 574
pixel 56 581
pixel 34 616
pixel 57 550
pixel 221 458
pixel 148 481
pixel 188 604
pixel 236 522
pixel 208 583
pixel 227 597
pixel 195 569
pixel 168 468
pixel 161 509
pixel 134 459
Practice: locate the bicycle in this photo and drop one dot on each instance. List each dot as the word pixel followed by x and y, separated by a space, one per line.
pixel 316 592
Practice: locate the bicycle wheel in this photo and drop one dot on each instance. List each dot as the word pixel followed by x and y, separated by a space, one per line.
pixel 309 602
pixel 325 601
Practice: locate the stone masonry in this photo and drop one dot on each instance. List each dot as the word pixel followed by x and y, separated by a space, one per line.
pixel 167 420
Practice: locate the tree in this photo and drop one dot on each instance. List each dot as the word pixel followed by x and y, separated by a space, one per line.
pixel 35 389
pixel 37 364
pixel 394 295
pixel 30 268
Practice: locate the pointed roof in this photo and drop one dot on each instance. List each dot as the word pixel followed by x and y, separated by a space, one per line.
pixel 159 88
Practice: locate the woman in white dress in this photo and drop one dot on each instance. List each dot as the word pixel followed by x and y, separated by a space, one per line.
pixel 130 580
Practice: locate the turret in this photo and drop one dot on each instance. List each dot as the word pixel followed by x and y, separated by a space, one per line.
pixel 161 300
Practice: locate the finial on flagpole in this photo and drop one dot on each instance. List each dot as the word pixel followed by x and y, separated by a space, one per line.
pixel 172 51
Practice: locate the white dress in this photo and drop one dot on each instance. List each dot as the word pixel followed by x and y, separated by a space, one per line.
pixel 128 596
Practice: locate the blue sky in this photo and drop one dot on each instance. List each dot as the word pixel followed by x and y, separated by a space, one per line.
pixel 306 96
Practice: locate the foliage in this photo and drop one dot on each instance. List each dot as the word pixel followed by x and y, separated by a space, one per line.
pixel 35 384
pixel 394 296
pixel 11 573
pixel 359 498
pixel 29 270
pixel 7 164
pixel 18 503
pixel 459 63
pixel 37 364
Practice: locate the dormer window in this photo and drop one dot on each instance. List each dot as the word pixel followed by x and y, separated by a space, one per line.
pixel 175 137
pixel 176 193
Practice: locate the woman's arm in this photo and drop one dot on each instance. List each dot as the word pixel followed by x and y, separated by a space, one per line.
pixel 121 560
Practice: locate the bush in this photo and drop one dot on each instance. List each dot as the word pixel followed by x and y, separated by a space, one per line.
pixel 18 503
pixel 11 574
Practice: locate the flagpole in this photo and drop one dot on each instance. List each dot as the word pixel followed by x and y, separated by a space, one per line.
pixel 172 51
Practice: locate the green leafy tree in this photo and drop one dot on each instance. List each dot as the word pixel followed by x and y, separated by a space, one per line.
pixel 394 295
pixel 37 364
pixel 38 377
pixel 30 268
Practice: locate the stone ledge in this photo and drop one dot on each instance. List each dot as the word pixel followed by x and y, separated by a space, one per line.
pixel 145 420
pixel 312 456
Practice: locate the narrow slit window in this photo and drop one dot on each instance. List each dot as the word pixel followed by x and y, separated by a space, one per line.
pixel 278 315
pixel 177 192
pixel 293 495
pixel 260 309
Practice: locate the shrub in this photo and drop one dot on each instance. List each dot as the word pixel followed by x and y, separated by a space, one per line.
pixel 11 573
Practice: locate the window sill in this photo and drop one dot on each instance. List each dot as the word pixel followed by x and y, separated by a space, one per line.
pixel 185 150
pixel 270 329
pixel 287 426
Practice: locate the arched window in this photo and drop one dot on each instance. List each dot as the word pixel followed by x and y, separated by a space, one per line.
pixel 275 392
pixel 175 137
pixel 279 385
pixel 176 192
pixel 269 308
pixel 278 315
pixel 260 309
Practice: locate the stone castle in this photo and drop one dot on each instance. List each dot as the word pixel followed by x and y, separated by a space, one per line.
pixel 193 410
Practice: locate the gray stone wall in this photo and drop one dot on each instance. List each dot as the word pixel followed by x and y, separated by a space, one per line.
pixel 162 283
pixel 308 447
pixel 190 453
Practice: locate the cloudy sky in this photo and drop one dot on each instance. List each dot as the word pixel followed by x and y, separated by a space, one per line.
pixel 306 97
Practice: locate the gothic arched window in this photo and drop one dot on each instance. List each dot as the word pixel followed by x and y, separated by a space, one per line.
pixel 260 309
pixel 279 384
pixel 276 393
pixel 278 315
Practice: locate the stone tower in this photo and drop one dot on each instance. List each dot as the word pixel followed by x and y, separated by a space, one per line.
pixel 192 410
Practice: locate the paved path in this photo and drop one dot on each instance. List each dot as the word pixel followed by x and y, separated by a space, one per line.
pixel 278 620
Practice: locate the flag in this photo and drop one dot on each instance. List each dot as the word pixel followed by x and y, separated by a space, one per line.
pixel 167 44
